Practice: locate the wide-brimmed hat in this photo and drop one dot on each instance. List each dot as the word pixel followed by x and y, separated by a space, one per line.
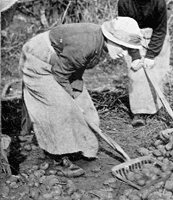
pixel 123 31
pixel 6 4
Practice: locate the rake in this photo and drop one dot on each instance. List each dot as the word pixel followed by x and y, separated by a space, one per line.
pixel 122 169
pixel 107 139
pixel 130 164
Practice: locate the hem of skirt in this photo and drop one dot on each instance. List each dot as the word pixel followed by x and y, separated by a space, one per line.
pixel 143 111
pixel 85 154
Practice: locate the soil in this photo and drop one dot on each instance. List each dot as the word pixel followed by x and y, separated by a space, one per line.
pixel 106 81
pixel 108 87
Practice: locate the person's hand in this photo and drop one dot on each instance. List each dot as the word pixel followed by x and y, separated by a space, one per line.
pixel 148 63
pixel 137 64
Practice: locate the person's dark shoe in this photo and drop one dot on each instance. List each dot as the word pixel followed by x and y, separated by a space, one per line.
pixel 69 169
pixel 138 120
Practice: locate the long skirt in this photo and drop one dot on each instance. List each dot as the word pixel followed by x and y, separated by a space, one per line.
pixel 142 96
pixel 56 117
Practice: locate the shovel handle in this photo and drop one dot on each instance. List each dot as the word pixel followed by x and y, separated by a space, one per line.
pixel 104 136
pixel 159 92
pixel 109 140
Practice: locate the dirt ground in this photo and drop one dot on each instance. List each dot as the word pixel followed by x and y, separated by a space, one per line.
pixel 108 87
pixel 110 78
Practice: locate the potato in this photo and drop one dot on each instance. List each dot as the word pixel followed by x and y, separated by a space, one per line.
pixel 159 185
pixel 123 197
pixel 169 171
pixel 52 171
pixel 157 153
pixel 130 176
pixel 156 171
pixel 154 177
pixel 164 174
pixel 167 154
pixel 164 167
pixel 134 197
pixel 147 166
pixel 168 195
pixel 146 171
pixel 127 192
pixel 169 146
pixel 34 192
pixel 56 190
pixel 162 149
pixel 166 161
pixel 47 196
pixel 152 168
pixel 138 176
pixel 141 182
pixel 161 146
pixel 161 136
pixel 160 158
pixel 27 147
pixel 52 182
pixel 171 137
pixel 44 166
pixel 74 173
pixel 171 153
pixel 35 167
pixel 157 143
pixel 169 185
pixel 154 197
pixel 39 173
pixel 148 182
pixel 144 193
pixel 144 151
pixel 166 133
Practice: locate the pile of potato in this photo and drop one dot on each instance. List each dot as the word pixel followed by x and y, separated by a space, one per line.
pixel 147 175
pixel 39 183
pixel 163 146
pixel 26 144
pixel 154 186
pixel 160 191
pixel 158 177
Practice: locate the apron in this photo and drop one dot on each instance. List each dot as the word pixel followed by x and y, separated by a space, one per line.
pixel 142 96
pixel 57 120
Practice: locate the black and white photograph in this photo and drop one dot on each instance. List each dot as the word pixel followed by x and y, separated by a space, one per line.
pixel 86 100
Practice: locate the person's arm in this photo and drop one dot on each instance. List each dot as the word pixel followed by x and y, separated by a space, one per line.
pixel 76 80
pixel 159 31
pixel 123 10
pixel 62 79
pixel 134 53
pixel 136 59
pixel 62 73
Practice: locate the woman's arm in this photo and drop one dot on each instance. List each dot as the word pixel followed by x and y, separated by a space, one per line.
pixel 159 30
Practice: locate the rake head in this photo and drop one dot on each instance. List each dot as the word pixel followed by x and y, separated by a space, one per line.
pixel 121 170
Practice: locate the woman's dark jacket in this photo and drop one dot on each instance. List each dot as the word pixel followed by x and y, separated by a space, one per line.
pixel 148 14
pixel 78 47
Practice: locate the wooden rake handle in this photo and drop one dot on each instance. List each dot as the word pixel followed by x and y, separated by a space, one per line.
pixel 159 92
pixel 107 139
pixel 104 136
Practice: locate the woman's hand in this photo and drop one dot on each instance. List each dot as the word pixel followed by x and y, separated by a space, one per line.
pixel 148 63
pixel 137 64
